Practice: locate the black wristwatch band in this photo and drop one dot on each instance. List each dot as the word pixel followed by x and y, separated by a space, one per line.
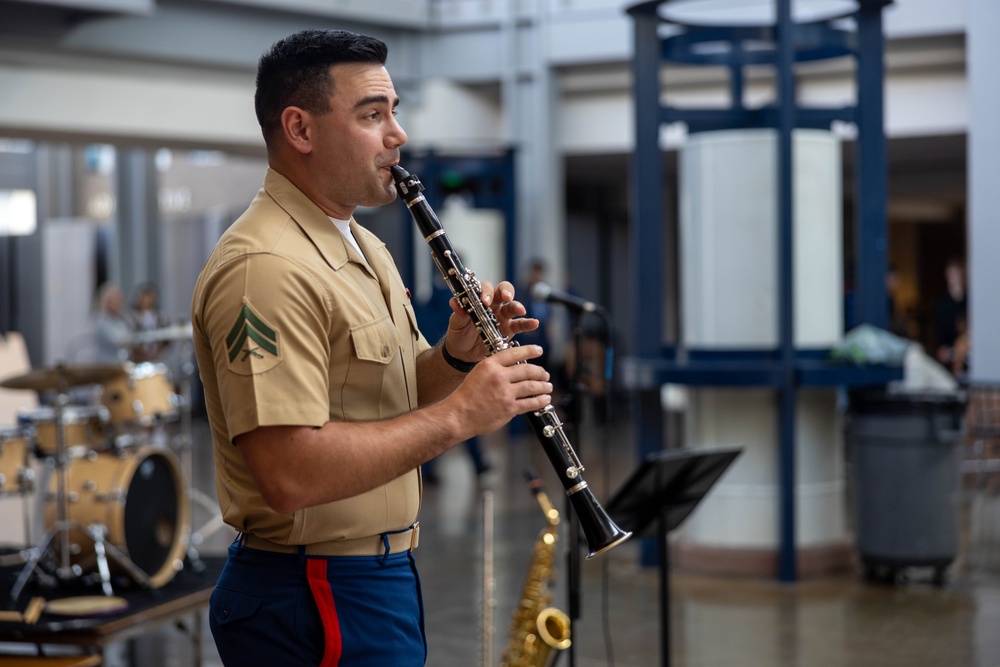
pixel 457 364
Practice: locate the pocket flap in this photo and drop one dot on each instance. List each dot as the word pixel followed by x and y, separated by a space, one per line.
pixel 229 606
pixel 376 341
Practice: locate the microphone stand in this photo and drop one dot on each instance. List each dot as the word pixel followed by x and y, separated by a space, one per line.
pixel 609 383
pixel 571 408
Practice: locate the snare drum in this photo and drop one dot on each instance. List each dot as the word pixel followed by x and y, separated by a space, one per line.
pixel 138 496
pixel 16 474
pixel 82 425
pixel 144 395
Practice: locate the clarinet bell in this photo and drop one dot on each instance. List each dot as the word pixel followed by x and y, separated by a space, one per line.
pixel 599 529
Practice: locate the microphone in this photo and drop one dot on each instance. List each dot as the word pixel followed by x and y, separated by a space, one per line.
pixel 544 292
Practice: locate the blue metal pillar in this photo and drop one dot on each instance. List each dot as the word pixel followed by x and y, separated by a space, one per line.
pixel 646 240
pixel 785 73
pixel 872 181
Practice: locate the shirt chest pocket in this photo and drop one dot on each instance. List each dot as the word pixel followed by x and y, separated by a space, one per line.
pixel 376 341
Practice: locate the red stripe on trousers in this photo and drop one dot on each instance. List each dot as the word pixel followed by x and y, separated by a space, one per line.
pixel 316 572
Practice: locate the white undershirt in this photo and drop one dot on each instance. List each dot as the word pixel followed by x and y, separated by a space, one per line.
pixel 345 228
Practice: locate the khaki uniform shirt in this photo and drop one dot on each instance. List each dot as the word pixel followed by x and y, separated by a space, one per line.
pixel 293 327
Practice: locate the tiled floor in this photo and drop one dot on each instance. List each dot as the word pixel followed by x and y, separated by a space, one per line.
pixel 837 621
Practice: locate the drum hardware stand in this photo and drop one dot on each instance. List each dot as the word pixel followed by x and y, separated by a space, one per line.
pixel 186 447
pixel 98 533
pixel 62 470
pixel 65 570
pixel 26 482
pixel 102 549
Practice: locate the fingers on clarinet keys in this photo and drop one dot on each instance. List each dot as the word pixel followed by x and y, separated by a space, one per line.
pixel 531 351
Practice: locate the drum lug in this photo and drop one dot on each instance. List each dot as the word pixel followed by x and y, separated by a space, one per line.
pixel 26 479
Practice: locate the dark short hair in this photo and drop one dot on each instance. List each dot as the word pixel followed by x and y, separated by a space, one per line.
pixel 295 71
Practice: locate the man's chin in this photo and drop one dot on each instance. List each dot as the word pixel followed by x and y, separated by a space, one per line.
pixel 384 197
pixel 390 189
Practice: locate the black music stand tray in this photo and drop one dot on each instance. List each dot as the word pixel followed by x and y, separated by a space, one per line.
pixel 658 496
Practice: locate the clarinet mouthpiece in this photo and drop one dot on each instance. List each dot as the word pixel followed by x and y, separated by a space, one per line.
pixel 398 173
pixel 408 185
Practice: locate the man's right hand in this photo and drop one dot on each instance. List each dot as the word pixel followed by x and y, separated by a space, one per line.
pixel 501 387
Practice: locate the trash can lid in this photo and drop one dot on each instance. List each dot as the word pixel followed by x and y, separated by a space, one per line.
pixel 882 400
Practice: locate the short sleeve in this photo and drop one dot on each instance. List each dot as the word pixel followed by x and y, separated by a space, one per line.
pixel 267 322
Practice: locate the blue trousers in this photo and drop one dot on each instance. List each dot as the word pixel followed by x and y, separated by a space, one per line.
pixel 272 609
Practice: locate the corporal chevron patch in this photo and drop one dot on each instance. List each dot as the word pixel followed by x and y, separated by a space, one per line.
pixel 252 342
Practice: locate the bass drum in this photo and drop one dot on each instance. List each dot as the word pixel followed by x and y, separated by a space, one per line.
pixel 138 495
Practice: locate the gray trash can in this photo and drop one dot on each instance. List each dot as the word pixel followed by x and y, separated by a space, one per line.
pixel 906 457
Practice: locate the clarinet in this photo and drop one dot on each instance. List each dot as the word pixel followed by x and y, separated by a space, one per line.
pixel 600 530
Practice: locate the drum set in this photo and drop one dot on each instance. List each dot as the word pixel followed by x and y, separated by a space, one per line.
pixel 113 496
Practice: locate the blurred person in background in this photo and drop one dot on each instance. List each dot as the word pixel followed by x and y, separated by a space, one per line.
pixel 112 329
pixel 950 314
pixel 145 317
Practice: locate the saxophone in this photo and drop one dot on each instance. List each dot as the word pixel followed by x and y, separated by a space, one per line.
pixel 537 630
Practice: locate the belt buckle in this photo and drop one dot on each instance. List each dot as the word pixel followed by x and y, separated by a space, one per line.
pixel 414 535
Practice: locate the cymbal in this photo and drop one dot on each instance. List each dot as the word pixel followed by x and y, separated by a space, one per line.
pixel 64 376
pixel 164 335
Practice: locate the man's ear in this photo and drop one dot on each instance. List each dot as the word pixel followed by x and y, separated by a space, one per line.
pixel 296 126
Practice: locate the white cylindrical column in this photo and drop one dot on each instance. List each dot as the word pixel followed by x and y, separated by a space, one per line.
pixel 729 240
pixel 729 272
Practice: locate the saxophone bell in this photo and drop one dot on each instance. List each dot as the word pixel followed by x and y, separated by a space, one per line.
pixel 553 629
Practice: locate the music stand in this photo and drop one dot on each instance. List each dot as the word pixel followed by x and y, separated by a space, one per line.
pixel 658 496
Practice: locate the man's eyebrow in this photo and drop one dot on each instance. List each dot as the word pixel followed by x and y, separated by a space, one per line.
pixel 376 99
